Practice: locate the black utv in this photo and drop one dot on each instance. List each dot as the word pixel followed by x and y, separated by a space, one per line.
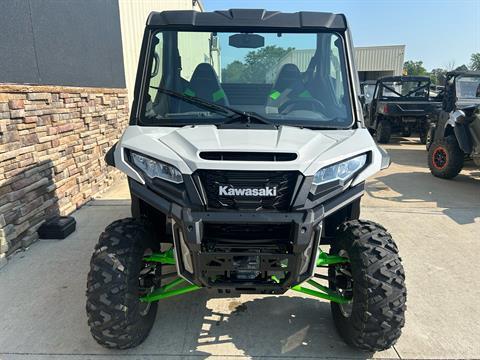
pixel 400 104
pixel 455 135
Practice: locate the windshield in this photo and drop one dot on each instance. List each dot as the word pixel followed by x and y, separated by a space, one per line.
pixel 468 88
pixel 405 89
pixel 297 79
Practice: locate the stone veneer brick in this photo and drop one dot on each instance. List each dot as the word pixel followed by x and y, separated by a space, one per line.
pixel 52 143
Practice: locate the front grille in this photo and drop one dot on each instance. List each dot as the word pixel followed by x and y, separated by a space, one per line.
pixel 247 234
pixel 283 182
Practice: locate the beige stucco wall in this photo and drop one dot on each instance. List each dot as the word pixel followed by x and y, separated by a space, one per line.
pixel 133 15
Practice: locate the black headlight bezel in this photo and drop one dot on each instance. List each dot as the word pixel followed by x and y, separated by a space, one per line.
pixel 335 186
pixel 146 177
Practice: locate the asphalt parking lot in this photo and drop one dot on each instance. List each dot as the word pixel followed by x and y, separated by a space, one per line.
pixel 435 222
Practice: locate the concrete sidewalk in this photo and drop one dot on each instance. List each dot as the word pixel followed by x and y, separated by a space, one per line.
pixel 436 224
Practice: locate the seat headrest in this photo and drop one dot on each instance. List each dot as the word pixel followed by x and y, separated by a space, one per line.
pixel 288 75
pixel 204 72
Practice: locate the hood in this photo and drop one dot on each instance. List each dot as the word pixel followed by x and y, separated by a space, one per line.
pixel 181 146
pixel 188 142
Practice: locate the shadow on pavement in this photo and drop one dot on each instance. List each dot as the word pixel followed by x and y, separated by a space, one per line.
pixel 458 198
pixel 416 157
pixel 413 140
pixel 272 326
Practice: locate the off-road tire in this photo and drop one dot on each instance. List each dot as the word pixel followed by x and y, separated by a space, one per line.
pixel 114 311
pixel 445 158
pixel 384 132
pixel 430 137
pixel 423 134
pixel 379 293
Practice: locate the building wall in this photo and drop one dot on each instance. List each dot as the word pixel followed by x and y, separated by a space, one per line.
pixel 52 144
pixel 133 16
pixel 67 42
pixel 371 61
pixel 380 59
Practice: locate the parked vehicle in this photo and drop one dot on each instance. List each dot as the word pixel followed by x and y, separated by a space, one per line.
pixel 456 134
pixel 237 182
pixel 401 104
pixel 367 89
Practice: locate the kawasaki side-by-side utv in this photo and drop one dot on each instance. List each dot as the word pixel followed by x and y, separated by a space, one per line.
pixel 456 133
pixel 246 168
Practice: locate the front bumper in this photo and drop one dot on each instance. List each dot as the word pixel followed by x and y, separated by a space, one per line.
pixel 250 265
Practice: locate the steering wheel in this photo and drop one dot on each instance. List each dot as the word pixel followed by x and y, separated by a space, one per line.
pixel 302 104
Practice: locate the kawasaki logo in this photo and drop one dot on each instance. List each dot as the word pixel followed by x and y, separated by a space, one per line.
pixel 228 190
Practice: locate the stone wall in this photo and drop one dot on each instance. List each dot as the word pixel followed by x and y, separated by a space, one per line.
pixel 52 145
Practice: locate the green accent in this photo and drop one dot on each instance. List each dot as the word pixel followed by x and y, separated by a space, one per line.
pixel 166 290
pixel 325 259
pixel 324 293
pixel 276 279
pixel 189 92
pixel 217 95
pixel 305 94
pixel 275 95
pixel 166 258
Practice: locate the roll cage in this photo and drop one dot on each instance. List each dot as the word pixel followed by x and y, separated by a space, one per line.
pixel 450 98
pixel 423 85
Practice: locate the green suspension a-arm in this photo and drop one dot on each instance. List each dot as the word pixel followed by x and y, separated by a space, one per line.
pixel 180 286
pixel 176 287
pixel 166 258
pixel 169 291
pixel 321 291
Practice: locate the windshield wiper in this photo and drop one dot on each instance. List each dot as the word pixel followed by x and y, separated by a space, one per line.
pixel 204 104
pixel 247 118
pixel 234 115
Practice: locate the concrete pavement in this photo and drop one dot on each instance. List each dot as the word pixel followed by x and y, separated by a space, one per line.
pixel 436 224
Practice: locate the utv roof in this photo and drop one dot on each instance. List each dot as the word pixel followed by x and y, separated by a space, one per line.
pixel 403 78
pixel 458 73
pixel 248 19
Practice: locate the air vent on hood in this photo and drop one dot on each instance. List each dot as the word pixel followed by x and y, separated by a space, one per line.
pixel 247 156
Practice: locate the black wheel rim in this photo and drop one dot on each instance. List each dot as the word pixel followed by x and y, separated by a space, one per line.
pixel 440 158
pixel 148 279
pixel 344 284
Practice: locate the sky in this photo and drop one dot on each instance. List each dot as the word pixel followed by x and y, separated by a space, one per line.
pixel 437 32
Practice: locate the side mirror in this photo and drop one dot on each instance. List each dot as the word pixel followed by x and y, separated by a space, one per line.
pixel 362 99
pixel 458 116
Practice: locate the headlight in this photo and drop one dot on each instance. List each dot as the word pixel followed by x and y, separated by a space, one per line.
pixel 340 171
pixel 156 169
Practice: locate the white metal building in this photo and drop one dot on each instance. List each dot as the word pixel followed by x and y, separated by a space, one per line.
pixel 376 61
pixel 133 16
pixel 372 61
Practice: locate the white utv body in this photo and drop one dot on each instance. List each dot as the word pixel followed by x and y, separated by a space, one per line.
pixel 246 158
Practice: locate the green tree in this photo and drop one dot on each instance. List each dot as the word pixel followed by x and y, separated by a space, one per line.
pixel 475 62
pixel 259 62
pixel 438 76
pixel 411 67
pixel 234 72
pixel 255 66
